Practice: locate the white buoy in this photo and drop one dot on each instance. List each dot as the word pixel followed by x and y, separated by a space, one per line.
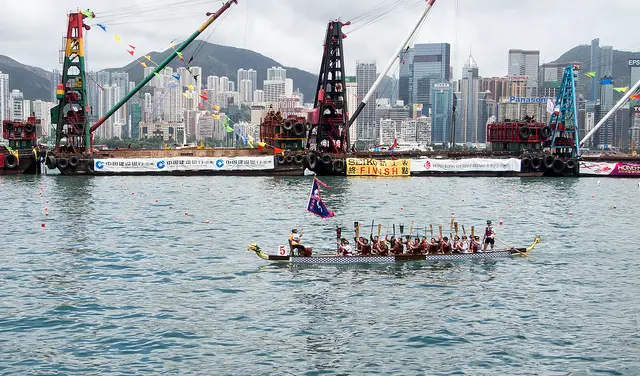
pixel 598 182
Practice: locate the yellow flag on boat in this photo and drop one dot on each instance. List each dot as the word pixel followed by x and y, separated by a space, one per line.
pixel 590 74
pixel 621 89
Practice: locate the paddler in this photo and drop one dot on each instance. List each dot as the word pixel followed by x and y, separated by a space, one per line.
pixel 489 237
pixel 294 242
pixel 345 248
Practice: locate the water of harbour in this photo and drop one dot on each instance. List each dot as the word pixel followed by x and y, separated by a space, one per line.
pixel 119 283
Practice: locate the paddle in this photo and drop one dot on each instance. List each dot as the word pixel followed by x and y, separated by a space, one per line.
pixel 411 229
pixel 455 226
pixel 511 248
pixel 463 231
pixel 431 229
pixel 379 229
pixel 357 227
pixel 371 235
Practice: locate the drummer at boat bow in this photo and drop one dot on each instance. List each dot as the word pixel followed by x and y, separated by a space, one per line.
pixel 489 237
pixel 294 242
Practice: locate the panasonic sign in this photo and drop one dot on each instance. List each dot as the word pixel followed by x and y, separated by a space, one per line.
pixel 634 62
pixel 528 100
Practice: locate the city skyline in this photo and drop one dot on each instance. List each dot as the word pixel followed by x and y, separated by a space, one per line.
pixel 445 25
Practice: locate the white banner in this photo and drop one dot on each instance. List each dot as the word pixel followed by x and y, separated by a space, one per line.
pixel 597 168
pixel 183 164
pixel 465 165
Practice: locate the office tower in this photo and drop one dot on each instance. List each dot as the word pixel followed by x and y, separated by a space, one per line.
pixel 366 74
pixel 431 64
pixel 595 66
pixel 441 112
pixel 16 103
pixel 469 90
pixel 525 63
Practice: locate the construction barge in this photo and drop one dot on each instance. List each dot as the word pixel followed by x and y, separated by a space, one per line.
pixel 319 143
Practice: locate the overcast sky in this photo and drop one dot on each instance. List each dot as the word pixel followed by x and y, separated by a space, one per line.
pixel 292 31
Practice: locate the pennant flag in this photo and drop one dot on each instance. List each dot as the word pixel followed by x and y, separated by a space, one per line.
pixel 200 106
pixel 117 38
pixel 176 76
pixel 102 27
pixel 186 95
pixel 216 117
pixel 621 89
pixel 204 97
pixel 190 60
pixel 277 150
pixel 635 96
pixel 143 63
pixel 179 54
pixel 190 87
pixel 148 57
pixel 173 85
pixel 130 52
pixel 88 13
pixel 606 81
pixel 172 46
pixel 394 146
pixel 132 47
pixel 590 74
pixel 229 129
pixel 217 107
pixel 261 145
pixel 315 205
pixel 156 73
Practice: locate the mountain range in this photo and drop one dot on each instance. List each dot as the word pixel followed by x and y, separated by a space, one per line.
pixel 221 60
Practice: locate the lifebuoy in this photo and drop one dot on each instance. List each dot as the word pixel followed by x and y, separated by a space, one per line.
pixel 298 129
pixel 536 163
pixel 338 165
pixel 280 159
pixel 312 161
pixel 326 159
pixel 62 163
pixel 548 161
pixel 545 132
pixel 287 125
pixel 298 159
pixel 571 164
pixel 10 161
pixel 51 161
pixel 524 132
pixel 526 163
pixel 73 161
pixel 28 127
pixel 559 166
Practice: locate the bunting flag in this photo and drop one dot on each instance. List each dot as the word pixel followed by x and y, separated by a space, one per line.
pixel 132 47
pixel 621 89
pixel 190 87
pixel 590 74
pixel 250 142
pixel 635 96
pixel 88 13
pixel 102 27
pixel 606 81
pixel 176 77
pixel 156 73
pixel 143 63
pixel 186 95
pixel 130 52
pixel 278 151
pixel 261 145
pixel 117 38
pixel 316 205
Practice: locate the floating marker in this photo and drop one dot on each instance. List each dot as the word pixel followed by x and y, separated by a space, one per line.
pixel 170 207
pixel 46 214
pixel 288 206
pixel 614 206
pixel 132 192
pixel 207 221
pixel 186 213
pixel 156 200
pixel 500 223
pixel 462 200
pixel 42 224
pixel 452 214
pixel 570 213
pixel 45 208
pixel 598 182
pixel 593 196
pixel 401 208
pixel 510 206
pixel 47 201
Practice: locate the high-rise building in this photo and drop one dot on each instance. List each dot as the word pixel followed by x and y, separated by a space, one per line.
pixel 246 91
pixel 441 112
pixel 273 90
pixel 405 87
pixel 352 104
pixel 42 111
pixel 366 74
pixel 16 104
pixel 104 78
pixel 595 66
pixel 258 96
pixel 56 78
pixel 276 74
pixel 232 86
pixel 26 109
pixel 495 87
pixel 248 74
pixel 606 61
pixel 135 119
pixel 469 90
pixel 213 82
pixel 224 85
pixel 526 63
pixel 4 99
pixel 551 75
pixel 430 65
pixel 486 111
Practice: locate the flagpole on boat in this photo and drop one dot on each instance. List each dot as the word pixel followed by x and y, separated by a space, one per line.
pixel 404 45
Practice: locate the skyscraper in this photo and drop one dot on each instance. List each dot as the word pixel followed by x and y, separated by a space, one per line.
pixel 56 78
pixel 223 87
pixel 470 90
pixel 366 74
pixel 526 63
pixel 406 73
pixel 595 66
pixel 441 112
pixel 248 74
pixel 16 103
pixel 352 104
pixel 276 74
pixel 430 65
pixel 606 59
pixel 246 91
pixel 4 99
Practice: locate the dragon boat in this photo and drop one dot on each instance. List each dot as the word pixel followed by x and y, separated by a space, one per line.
pixel 308 258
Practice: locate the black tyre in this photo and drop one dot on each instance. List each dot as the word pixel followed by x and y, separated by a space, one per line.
pixel 298 129
pixel 11 162
pixel 298 159
pixel 526 163
pixel 536 163
pixel 545 132
pixel 326 159
pixel 73 161
pixel 559 166
pixel 524 132
pixel 548 161
pixel 338 166
pixel 312 161
pixel 287 125
pixel 62 163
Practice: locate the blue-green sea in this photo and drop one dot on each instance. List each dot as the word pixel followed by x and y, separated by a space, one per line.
pixel 119 283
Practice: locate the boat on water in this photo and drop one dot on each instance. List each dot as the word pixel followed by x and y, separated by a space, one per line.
pixel 334 259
